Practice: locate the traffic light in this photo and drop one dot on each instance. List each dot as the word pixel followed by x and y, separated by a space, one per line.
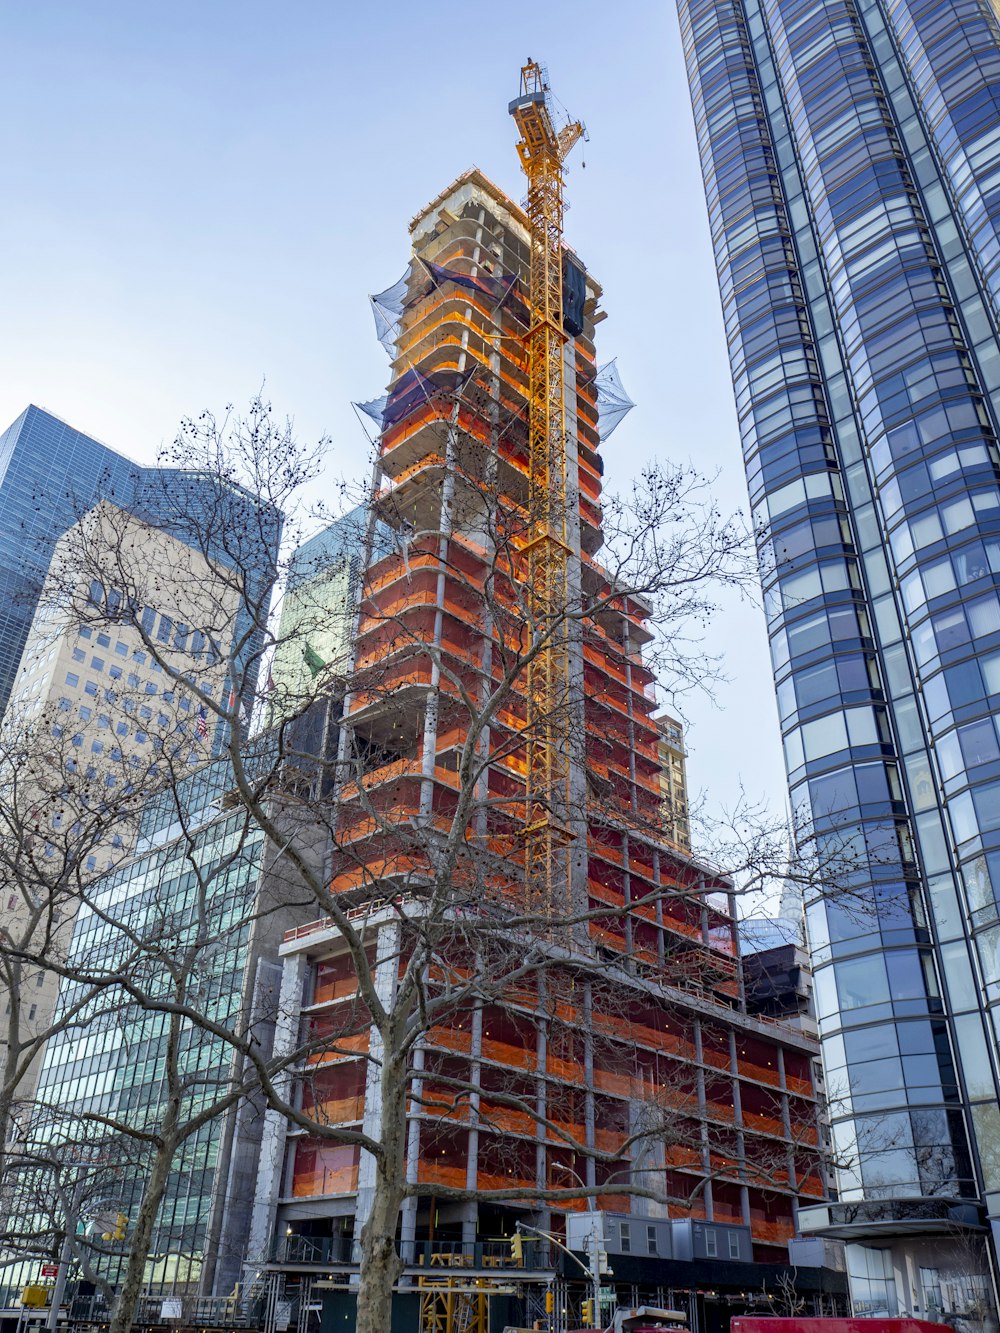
pixel 517 1248
pixel 550 1301
pixel 587 1313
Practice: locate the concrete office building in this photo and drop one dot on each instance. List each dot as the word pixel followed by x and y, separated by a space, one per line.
pixel 851 153
pixel 95 724
pixel 51 474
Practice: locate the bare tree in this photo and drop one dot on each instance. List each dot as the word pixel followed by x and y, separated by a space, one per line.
pixel 400 825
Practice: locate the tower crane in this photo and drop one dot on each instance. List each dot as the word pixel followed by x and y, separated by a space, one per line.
pixel 542 149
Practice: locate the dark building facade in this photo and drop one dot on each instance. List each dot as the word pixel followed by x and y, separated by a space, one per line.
pixel 51 474
pixel 851 154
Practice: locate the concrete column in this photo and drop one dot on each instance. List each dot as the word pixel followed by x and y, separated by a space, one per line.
pixel 541 1101
pixel 408 1213
pixel 627 895
pixel 633 784
pixel 577 814
pixel 658 908
pixel 386 976
pixel 470 1219
pixel 445 527
pixel 272 1142
pixel 786 1129
pixel 741 1151
pixel 588 1082
pixel 706 1149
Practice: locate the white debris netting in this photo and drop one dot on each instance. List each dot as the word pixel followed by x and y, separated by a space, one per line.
pixel 613 403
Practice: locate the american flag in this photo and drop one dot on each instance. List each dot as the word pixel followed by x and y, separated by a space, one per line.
pixel 202 722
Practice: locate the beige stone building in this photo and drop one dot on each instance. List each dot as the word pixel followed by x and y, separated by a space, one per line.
pixel 673 783
pixel 111 702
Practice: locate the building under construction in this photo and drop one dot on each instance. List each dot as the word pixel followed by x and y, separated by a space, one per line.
pixel 499 712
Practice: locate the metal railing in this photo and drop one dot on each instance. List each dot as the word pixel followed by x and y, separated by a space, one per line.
pixel 426 1254
pixel 313 1250
pixel 164 1311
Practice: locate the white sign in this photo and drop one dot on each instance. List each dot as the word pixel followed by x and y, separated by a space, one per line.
pixel 172 1309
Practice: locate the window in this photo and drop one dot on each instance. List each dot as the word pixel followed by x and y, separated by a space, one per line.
pixel 625 1237
pixel 121 649
pixel 103 641
pixel 862 981
pixel 97 663
pixel 32 1012
pixel 651 1245
pixel 734 1244
pixel 711 1243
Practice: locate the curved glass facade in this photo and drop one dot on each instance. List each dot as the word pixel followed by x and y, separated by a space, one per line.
pixel 851 152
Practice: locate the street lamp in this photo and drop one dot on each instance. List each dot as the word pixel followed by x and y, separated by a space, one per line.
pixel 595 1253
pixel 593 1273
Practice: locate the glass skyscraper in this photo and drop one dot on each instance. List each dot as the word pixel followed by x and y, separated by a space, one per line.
pixel 195 874
pixel 50 474
pixel 851 154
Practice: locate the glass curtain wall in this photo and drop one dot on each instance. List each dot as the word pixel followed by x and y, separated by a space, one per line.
pixel 851 154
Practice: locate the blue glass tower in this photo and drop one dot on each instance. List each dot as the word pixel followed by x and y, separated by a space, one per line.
pixel 851 154
pixel 50 474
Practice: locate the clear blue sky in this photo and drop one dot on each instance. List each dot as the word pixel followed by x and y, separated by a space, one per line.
pixel 199 195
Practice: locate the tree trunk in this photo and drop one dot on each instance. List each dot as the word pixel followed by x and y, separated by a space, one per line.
pixel 12 978
pixel 135 1270
pixel 6 1107
pixel 380 1261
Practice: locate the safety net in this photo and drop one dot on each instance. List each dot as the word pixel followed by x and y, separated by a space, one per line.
pixel 387 307
pixel 613 403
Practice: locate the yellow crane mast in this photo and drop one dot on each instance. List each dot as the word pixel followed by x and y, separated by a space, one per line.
pixel 542 149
